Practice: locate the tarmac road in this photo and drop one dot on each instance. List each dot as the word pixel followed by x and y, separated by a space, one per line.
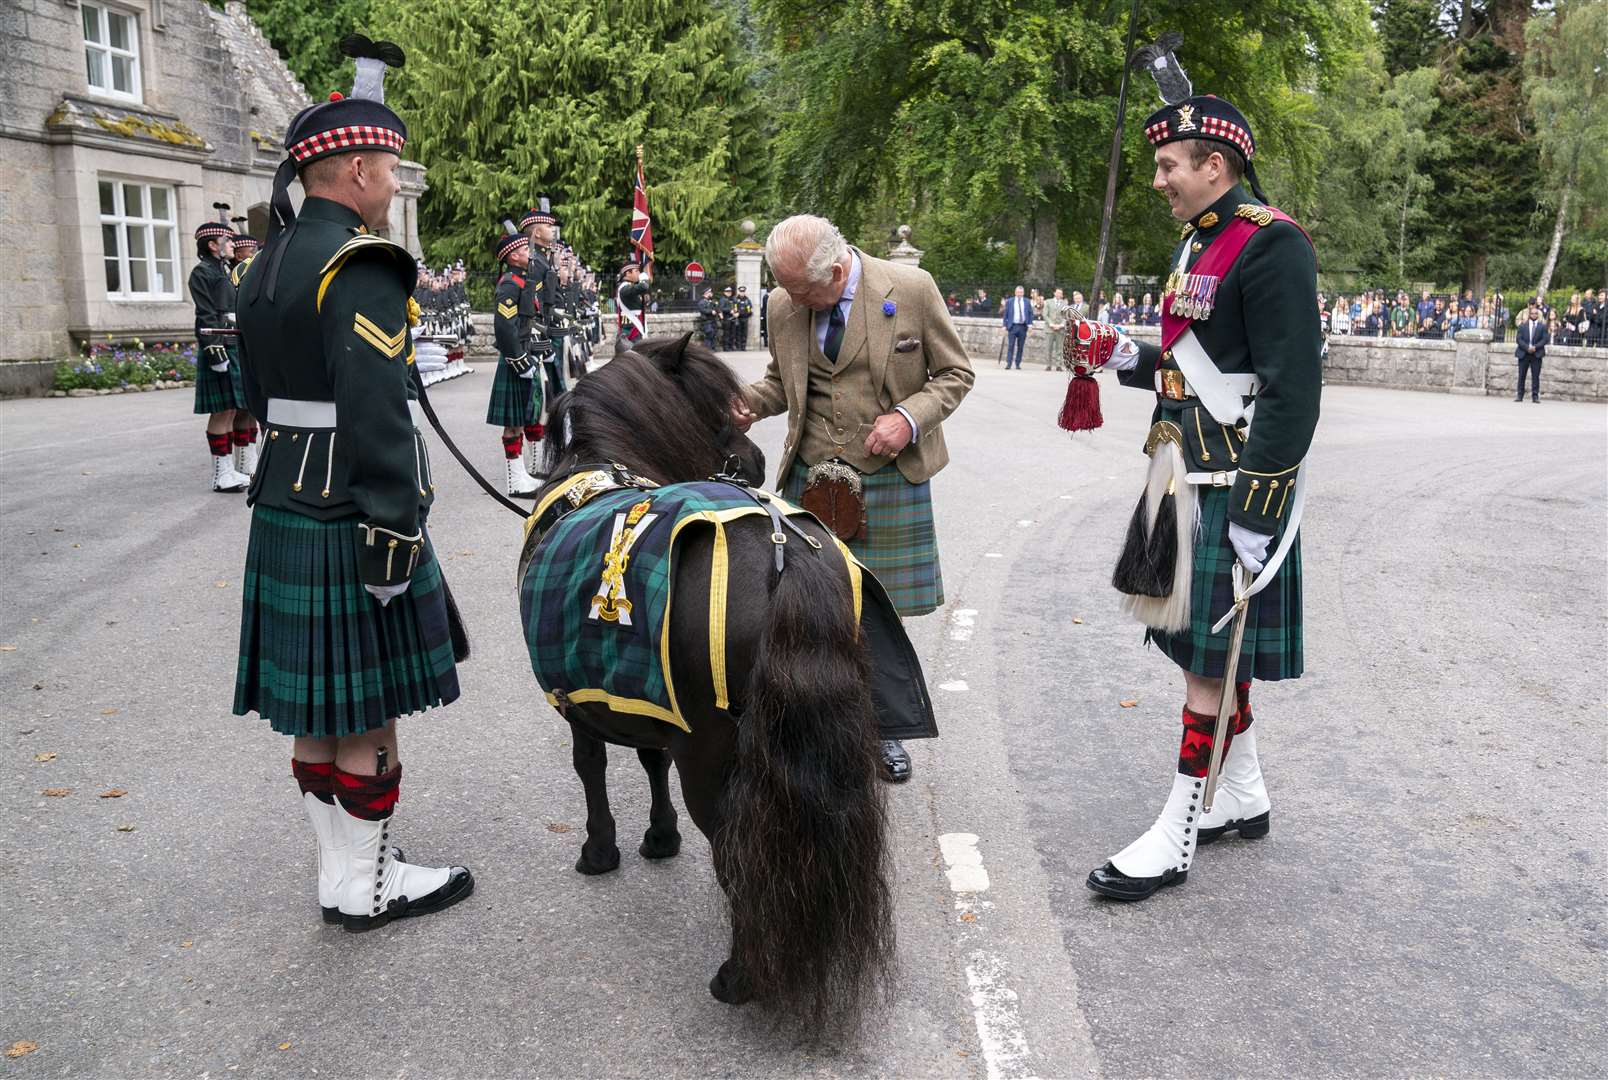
pixel 1430 901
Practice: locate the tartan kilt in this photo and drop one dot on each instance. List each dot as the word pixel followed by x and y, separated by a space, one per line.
pixel 1272 649
pixel 513 399
pixel 900 545
pixel 319 656
pixel 218 391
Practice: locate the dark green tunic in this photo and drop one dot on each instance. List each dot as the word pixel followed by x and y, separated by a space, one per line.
pixel 1264 321
pixel 516 402
pixel 337 508
pixel 213 294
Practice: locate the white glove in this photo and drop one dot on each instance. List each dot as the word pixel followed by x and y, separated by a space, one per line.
pixel 386 593
pixel 217 357
pixel 528 373
pixel 1251 547
pixel 1125 357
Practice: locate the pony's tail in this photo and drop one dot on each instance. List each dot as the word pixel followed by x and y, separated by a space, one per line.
pixel 802 848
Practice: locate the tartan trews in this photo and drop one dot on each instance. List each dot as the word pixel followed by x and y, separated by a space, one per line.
pixel 319 656
pixel 1272 648
pixel 218 391
pixel 514 402
pixel 900 545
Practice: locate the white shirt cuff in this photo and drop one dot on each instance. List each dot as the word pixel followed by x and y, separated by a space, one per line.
pixel 915 429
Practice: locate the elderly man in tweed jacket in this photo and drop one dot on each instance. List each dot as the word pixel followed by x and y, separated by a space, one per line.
pixel 867 366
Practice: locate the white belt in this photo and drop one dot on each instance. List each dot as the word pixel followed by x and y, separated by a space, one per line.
pixel 1212 479
pixel 318 414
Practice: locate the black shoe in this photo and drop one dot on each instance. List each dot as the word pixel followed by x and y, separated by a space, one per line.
pixel 895 762
pixel 459 884
pixel 1535 401
pixel 1249 829
pixel 1109 881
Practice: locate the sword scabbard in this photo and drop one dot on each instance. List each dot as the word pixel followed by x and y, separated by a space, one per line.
pixel 1228 699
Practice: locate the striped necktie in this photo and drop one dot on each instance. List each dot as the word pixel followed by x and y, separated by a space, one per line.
pixel 834 333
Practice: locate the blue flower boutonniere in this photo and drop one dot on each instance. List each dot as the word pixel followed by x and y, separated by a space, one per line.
pixel 889 308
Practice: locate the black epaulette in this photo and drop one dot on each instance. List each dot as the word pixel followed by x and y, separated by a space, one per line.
pixel 369 242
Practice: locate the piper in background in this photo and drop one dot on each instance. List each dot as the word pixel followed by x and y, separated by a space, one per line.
pixel 218 393
pixel 516 392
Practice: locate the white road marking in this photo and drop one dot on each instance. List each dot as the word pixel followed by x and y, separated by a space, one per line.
pixel 957 686
pixel 1025 522
pixel 965 622
pixel 992 555
pixel 1066 497
pixel 1006 1055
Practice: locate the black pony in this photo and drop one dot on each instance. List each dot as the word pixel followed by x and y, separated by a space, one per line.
pixel 783 783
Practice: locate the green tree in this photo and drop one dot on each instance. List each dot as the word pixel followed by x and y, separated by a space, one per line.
pixel 508 99
pixel 1001 110
pixel 308 37
pixel 1484 168
pixel 1410 34
pixel 1566 85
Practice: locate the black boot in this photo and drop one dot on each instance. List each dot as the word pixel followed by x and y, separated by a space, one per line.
pixel 895 762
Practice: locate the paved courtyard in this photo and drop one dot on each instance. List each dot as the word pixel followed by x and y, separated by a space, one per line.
pixel 1431 900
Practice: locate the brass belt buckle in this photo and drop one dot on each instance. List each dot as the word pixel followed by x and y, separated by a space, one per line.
pixel 1172 384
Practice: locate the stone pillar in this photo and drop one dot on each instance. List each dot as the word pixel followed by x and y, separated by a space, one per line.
pixel 746 258
pixel 904 251
pixel 1468 367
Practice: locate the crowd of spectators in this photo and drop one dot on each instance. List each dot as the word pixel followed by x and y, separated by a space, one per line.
pixel 1379 313
pixel 1129 310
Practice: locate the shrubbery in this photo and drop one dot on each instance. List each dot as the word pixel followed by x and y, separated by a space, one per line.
pixel 112 367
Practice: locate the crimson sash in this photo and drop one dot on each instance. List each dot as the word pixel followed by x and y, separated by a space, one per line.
pixel 1217 261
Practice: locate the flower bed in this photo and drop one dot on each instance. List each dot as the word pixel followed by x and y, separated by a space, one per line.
pixel 132 366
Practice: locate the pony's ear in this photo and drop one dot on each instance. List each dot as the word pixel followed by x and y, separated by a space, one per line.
pixel 678 352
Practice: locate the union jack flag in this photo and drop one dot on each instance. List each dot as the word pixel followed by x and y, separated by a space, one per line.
pixel 641 223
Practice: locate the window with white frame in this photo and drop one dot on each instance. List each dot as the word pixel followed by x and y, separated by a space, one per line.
pixel 112 51
pixel 140 240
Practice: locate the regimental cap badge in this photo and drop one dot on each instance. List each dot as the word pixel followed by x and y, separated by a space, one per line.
pixel 637 511
pixel 1186 118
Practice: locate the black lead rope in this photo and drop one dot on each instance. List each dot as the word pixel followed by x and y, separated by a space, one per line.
pixel 435 422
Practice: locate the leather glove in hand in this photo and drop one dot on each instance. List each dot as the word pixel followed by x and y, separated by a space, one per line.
pixel 386 593
pixel 1251 547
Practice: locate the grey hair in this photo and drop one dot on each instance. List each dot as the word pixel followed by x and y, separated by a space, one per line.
pixel 813 240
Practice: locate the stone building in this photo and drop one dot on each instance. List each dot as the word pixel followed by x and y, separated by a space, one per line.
pixel 121 123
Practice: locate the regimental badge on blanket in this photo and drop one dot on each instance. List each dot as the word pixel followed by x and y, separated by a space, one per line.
pixel 611 604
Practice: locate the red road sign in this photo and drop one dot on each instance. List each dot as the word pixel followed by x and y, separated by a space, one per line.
pixel 694 273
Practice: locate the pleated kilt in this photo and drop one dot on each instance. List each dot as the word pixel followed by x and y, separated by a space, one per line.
pixel 900 543
pixel 216 391
pixel 1272 648
pixel 319 656
pixel 513 399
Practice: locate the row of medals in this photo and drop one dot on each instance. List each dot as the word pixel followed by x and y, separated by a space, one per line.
pixel 1192 294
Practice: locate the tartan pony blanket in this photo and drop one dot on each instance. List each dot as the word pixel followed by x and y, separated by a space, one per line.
pixel 596 598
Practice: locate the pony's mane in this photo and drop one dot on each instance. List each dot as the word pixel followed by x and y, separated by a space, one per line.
pixel 661 409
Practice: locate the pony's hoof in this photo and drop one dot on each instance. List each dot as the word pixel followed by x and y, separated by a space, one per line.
pixel 592 864
pixel 660 845
pixel 728 987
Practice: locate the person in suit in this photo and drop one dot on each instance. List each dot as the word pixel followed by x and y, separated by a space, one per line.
pixel 866 363
pixel 1055 309
pixel 1018 317
pixel 1531 349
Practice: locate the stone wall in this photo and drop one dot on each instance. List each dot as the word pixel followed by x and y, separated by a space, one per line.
pixel 1473 364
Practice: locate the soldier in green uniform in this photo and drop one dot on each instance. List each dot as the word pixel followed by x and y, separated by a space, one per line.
pixel 346 622
pixel 1239 335
pixel 246 429
pixel 218 393
pixel 516 393
pixel 726 311
pixel 541 224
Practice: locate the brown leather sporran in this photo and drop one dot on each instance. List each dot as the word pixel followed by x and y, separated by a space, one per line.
pixel 835 493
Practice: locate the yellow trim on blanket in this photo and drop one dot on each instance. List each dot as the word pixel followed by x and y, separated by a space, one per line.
pixel 718 575
pixel 551 497
pixel 634 706
pixel 854 569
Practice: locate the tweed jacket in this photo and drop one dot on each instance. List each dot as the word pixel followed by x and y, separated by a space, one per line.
pixel 914 360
